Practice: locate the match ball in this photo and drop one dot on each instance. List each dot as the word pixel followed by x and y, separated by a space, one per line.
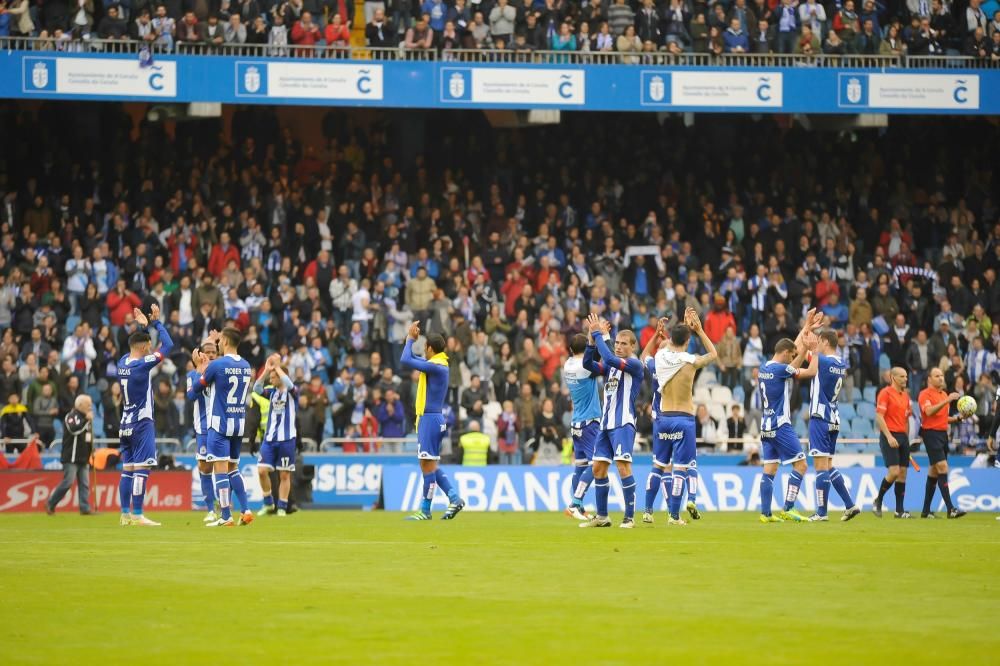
pixel 966 405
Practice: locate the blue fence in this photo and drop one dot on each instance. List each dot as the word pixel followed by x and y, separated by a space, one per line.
pixel 720 488
pixel 437 85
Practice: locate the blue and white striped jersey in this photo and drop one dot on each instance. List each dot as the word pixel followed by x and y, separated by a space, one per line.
pixel 200 400
pixel 622 383
pixel 583 390
pixel 775 394
pixel 979 363
pixel 228 378
pixel 133 375
pixel 825 389
pixel 281 417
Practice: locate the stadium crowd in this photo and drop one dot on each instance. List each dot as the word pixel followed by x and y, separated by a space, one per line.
pixel 627 27
pixel 502 241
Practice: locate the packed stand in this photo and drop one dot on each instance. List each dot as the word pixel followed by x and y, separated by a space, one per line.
pixel 502 241
pixel 633 31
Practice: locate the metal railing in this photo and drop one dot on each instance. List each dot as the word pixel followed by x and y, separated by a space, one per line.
pixel 382 444
pixel 494 56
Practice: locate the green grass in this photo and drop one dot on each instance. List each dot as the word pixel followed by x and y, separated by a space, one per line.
pixel 365 588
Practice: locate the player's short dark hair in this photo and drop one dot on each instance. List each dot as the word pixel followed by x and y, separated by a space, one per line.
pixel 205 346
pixel 784 344
pixel 830 337
pixel 436 342
pixel 578 343
pixel 232 335
pixel 680 334
pixel 138 338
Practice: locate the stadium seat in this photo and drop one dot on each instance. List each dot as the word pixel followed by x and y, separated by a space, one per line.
pixel 722 395
pixel 739 396
pixel 717 411
pixel 847 412
pixel 866 410
pixel 870 393
pixel 702 396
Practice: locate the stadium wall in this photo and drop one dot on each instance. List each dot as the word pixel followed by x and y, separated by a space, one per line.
pixel 438 85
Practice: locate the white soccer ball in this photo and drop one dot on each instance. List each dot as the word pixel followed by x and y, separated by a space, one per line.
pixel 967 405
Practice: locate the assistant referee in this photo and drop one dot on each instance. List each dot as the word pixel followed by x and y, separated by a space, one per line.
pixel 892 416
pixel 934 403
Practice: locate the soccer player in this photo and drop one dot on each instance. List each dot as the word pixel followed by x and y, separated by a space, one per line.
pixel 675 370
pixel 228 378
pixel 585 423
pixel 892 416
pixel 623 374
pixel 432 390
pixel 934 424
pixel 779 443
pixel 661 474
pixel 209 350
pixel 277 451
pixel 136 433
pixel 827 371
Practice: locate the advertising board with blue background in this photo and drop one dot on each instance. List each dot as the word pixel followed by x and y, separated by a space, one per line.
pixel 721 488
pixel 436 85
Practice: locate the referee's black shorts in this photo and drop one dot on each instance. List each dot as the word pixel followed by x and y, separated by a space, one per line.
pixel 936 444
pixel 895 457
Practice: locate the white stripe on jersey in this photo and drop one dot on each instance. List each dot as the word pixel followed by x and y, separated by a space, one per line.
pixel 618 408
pixel 281 417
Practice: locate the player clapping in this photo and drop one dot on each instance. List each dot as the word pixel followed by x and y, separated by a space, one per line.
pixel 207 353
pixel 277 451
pixel 137 434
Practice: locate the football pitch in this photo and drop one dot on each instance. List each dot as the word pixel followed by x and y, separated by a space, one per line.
pixel 498 588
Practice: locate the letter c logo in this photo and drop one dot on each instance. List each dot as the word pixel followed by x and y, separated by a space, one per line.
pixel 566 88
pixel 364 82
pixel 764 91
pixel 960 92
pixel 156 81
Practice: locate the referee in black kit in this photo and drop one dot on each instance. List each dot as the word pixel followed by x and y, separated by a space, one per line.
pixel 892 417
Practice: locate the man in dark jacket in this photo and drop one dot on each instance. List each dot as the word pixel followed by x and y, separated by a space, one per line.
pixel 77 445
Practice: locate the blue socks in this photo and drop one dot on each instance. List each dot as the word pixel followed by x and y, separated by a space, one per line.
pixel 582 484
pixel 602 487
pixel 822 491
pixel 125 491
pixel 140 479
pixel 430 485
pixel 628 491
pixel 837 479
pixel 268 500
pixel 677 492
pixel 668 484
pixel 282 504
pixel 445 485
pixel 222 491
pixel 766 493
pixel 577 473
pixel 794 483
pixel 239 489
pixel 653 483
pixel 207 490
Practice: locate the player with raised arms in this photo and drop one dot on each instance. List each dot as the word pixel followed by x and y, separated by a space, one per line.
pixel 277 451
pixel 210 351
pixel 827 371
pixel 779 443
pixel 660 475
pixel 137 433
pixel 228 378
pixel 585 422
pixel 432 388
pixel 623 374
pixel 675 370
